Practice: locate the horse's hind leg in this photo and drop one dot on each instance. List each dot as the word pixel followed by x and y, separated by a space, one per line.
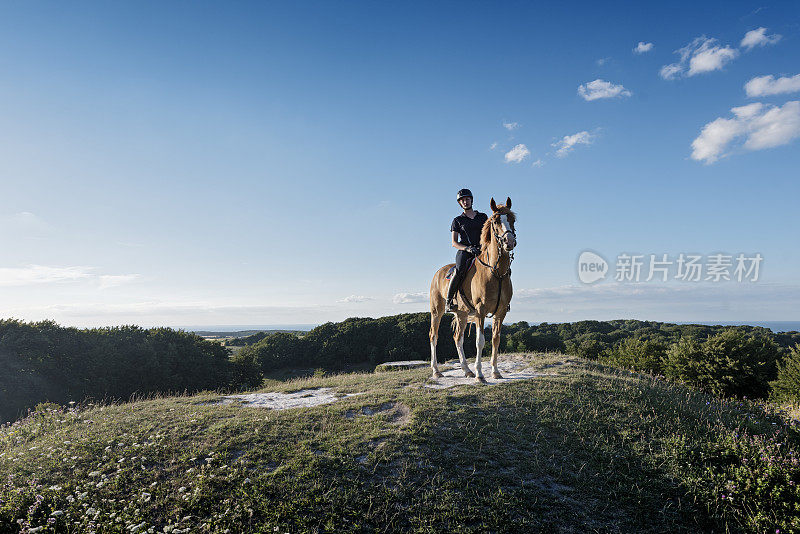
pixel 434 336
pixel 458 336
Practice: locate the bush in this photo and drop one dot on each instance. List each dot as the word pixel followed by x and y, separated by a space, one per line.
pixel 787 386
pixel 639 354
pixel 730 363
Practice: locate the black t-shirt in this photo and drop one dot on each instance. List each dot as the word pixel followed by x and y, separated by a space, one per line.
pixel 469 230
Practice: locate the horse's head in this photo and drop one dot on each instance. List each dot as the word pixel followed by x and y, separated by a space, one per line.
pixel 501 224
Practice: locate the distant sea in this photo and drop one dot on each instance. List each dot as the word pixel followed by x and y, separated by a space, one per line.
pixel 245 327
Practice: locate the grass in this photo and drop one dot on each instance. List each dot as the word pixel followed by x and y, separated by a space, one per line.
pixel 592 449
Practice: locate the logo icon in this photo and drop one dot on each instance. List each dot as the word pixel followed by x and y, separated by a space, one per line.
pixel 591 267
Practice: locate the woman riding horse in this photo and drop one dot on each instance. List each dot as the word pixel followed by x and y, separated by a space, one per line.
pixel 486 290
pixel 466 237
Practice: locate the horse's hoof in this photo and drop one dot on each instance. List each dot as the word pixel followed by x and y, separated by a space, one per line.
pixel 469 374
pixel 495 374
pixel 481 380
pixel 436 375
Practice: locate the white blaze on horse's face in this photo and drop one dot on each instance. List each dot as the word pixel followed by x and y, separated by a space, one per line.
pixel 507 234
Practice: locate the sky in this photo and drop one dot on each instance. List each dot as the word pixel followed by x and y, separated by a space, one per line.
pixel 253 163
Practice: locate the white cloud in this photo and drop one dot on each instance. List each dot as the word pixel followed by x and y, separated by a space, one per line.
pixel 710 57
pixel 568 142
pixel 510 126
pixel 602 61
pixel 768 85
pixel 356 298
pixel 517 154
pixel 671 71
pixel 643 47
pixel 41 274
pixel 761 126
pixel 24 223
pixel 408 298
pixel 493 146
pixel 114 280
pixel 703 54
pixel 537 163
pixel 601 89
pixel 758 37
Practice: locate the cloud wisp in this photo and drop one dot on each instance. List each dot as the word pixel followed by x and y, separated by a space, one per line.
pixel 643 48
pixel 759 125
pixel 758 37
pixel 598 89
pixel 355 298
pixel 409 298
pixel 769 85
pixel 702 55
pixel 517 154
pixel 511 126
pixel 31 275
pixel 568 143
pixel 41 274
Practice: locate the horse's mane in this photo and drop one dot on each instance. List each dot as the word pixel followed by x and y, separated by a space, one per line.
pixel 486 231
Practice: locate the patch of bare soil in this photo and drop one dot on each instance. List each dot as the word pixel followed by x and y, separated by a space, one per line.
pixel 283 401
pixel 510 368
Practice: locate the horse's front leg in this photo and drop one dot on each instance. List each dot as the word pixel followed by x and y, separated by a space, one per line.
pixel 497 325
pixel 434 337
pixel 480 341
pixel 458 337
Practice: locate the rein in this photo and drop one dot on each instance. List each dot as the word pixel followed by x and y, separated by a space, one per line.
pixel 494 268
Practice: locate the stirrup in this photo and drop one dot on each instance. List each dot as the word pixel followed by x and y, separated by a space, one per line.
pixel 450 306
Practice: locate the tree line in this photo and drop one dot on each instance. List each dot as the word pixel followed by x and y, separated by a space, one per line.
pixel 42 361
pixel 726 360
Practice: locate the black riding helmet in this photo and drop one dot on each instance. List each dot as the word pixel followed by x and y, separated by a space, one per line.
pixel 463 193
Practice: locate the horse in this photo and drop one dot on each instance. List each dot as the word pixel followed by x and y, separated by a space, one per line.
pixel 487 288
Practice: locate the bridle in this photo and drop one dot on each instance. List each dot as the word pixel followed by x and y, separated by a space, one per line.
pixel 498 239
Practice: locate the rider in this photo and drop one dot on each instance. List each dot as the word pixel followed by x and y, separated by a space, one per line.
pixel 466 237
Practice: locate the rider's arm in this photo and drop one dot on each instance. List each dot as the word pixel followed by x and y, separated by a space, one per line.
pixel 455 242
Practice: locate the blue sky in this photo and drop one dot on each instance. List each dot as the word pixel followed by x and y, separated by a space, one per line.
pixel 275 163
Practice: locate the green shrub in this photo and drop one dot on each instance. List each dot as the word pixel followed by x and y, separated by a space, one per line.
pixel 276 351
pixel 730 363
pixel 787 386
pixel 639 354
pixel 683 361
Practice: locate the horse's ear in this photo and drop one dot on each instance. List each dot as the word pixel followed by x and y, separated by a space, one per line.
pixel 508 202
pixel 493 205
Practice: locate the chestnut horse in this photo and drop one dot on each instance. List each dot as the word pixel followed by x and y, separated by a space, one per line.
pixel 487 287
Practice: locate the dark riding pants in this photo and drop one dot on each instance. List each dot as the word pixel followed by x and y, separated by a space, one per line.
pixel 462 262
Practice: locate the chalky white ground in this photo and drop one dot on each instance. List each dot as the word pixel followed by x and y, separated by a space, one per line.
pixel 283 401
pixel 511 369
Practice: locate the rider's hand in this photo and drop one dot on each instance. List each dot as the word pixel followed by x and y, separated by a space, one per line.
pixel 472 249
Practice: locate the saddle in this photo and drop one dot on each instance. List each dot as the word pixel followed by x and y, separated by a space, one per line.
pixel 452 269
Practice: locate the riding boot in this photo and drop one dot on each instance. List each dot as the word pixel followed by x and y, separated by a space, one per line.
pixel 452 288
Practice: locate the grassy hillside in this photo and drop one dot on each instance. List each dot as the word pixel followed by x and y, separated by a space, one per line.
pixel 590 449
